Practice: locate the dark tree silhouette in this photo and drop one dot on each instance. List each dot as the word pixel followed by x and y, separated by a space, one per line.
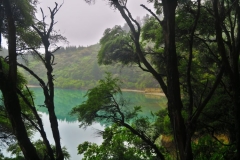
pixel 11 92
pixel 183 129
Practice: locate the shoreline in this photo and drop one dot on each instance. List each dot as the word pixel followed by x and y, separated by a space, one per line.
pixel 33 86
pixel 123 89
pixel 142 91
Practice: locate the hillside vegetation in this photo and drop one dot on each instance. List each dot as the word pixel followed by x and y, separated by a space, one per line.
pixel 77 68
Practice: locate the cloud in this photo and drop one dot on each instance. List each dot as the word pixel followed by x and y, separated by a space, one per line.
pixel 84 24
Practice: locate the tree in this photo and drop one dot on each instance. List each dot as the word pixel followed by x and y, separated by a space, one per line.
pixel 8 88
pixel 23 14
pixel 48 90
pixel 41 150
pixel 12 93
pixel 103 105
pixel 229 52
pixel 119 144
pixel 7 136
pixel 169 60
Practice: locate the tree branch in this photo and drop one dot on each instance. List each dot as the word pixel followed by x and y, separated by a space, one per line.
pixel 208 97
pixel 154 15
pixel 42 83
pixel 39 122
pixel 189 66
pixel 138 46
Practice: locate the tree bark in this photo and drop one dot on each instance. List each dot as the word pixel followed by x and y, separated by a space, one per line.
pixel 49 90
pixel 8 88
pixel 174 99
pixel 236 81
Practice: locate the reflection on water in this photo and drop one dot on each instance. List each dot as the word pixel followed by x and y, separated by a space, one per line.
pixel 71 134
pixel 66 99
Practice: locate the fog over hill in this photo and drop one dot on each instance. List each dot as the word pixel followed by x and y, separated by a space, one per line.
pixel 77 68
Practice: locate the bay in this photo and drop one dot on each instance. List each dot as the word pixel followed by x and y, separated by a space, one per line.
pixel 66 99
pixel 71 134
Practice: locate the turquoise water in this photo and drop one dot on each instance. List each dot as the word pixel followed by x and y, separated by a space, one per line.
pixel 71 134
pixel 66 99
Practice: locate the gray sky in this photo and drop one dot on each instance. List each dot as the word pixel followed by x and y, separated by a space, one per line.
pixel 84 24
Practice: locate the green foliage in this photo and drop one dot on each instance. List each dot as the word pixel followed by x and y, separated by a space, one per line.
pixel 25 10
pixel 23 14
pixel 163 122
pixel 100 103
pixel 21 80
pixel 12 158
pixel 130 136
pixel 5 126
pixel 41 150
pixel 116 46
pixel 198 62
pixel 206 148
pixel 27 38
pixel 119 144
pixel 105 104
pixel 152 32
pixel 152 43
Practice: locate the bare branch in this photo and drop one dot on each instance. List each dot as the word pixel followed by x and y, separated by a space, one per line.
pixel 33 74
pixel 130 16
pixel 154 15
pixel 189 65
pixel 39 55
pixel 43 21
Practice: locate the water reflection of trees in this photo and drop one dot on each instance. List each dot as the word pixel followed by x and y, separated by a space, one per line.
pixel 66 99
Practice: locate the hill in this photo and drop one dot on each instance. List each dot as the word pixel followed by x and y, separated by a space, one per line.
pixel 77 67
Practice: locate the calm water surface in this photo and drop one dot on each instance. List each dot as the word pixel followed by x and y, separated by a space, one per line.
pixel 71 134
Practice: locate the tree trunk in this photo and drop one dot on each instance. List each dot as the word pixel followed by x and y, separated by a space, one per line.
pixel 236 81
pixel 231 64
pixel 8 87
pixel 174 99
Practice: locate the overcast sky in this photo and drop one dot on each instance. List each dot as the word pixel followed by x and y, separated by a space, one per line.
pixel 84 24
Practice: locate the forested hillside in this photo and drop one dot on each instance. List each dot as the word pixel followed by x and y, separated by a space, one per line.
pixel 191 48
pixel 77 67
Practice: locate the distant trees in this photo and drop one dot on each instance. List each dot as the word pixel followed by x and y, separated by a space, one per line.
pixel 86 75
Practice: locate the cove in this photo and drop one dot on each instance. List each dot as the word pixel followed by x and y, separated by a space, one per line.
pixel 66 99
pixel 71 134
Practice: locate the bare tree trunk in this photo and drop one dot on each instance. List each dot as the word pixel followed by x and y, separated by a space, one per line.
pixel 48 89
